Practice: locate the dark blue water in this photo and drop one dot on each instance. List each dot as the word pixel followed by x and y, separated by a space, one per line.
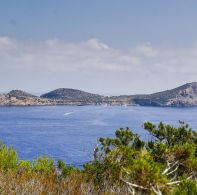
pixel 71 132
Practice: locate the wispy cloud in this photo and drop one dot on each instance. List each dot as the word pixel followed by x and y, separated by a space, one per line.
pixel 143 63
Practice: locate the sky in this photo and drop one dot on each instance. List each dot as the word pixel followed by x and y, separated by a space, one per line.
pixel 108 47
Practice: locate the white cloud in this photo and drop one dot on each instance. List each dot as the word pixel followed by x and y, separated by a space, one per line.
pixel 96 44
pixel 55 55
pixel 147 50
pixel 7 43
pixel 142 64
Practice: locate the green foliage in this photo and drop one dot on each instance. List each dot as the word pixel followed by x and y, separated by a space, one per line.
pixel 8 158
pixel 65 170
pixel 25 164
pixel 151 167
pixel 44 165
pixel 111 155
pixel 124 137
pixel 170 135
pixel 187 187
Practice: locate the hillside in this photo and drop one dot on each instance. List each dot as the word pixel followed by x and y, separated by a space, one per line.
pixel 185 95
pixel 20 94
pixel 21 98
pixel 66 93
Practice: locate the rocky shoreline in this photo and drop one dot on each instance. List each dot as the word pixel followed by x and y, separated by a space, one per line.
pixel 185 95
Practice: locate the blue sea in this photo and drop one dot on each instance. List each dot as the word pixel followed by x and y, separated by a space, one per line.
pixel 71 132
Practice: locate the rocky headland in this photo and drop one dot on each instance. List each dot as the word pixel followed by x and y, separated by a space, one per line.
pixel 185 95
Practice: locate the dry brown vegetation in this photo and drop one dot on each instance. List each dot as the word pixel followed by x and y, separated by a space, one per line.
pixel 38 183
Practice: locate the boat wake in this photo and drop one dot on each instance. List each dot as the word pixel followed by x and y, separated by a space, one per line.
pixel 68 113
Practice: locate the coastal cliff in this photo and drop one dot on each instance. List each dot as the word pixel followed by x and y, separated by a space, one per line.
pixel 185 95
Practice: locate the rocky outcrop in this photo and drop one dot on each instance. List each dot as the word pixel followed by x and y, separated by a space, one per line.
pixel 20 94
pixel 20 98
pixel 185 95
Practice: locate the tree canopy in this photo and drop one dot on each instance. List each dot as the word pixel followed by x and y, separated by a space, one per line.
pixel 162 165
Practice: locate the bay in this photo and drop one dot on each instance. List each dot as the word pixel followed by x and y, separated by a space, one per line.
pixel 70 133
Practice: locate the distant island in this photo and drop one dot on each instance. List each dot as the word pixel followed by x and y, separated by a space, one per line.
pixel 185 95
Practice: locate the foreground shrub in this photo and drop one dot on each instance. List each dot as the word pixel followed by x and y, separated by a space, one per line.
pixel 25 165
pixel 38 183
pixel 65 170
pixel 8 158
pixel 153 167
pixel 43 165
pixel 187 187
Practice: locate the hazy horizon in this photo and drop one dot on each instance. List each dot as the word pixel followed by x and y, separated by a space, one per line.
pixel 105 47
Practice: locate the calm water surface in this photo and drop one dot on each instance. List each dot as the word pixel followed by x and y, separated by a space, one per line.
pixel 70 132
